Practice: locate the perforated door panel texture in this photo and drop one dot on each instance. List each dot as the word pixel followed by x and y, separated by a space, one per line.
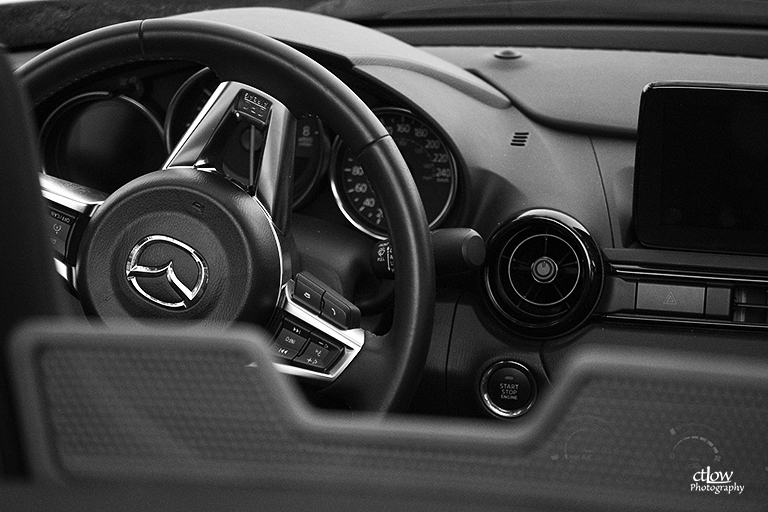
pixel 623 428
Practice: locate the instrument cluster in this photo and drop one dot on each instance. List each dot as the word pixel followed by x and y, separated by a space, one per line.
pixel 118 128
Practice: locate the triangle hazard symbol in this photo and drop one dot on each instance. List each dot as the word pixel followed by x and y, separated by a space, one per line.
pixel 671 301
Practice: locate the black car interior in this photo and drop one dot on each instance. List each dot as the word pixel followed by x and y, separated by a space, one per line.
pixel 564 326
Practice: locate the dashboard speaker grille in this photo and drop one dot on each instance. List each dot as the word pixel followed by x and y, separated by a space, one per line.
pixel 544 273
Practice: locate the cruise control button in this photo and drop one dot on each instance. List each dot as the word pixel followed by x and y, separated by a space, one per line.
pixel 58 246
pixel 60 225
pixel 318 355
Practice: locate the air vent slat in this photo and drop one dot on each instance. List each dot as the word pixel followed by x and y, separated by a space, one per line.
pixel 558 291
pixel 750 304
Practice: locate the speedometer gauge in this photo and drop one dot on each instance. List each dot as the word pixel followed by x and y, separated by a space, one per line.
pixel 428 157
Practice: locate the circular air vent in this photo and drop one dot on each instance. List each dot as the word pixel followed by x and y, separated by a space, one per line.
pixel 543 273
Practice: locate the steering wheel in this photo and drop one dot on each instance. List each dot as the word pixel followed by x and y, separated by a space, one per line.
pixel 187 243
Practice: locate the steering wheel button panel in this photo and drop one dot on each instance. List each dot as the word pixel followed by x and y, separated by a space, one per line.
pixel 67 202
pixel 329 348
pixel 59 225
pixel 254 107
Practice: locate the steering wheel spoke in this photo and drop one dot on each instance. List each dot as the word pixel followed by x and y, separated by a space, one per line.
pixel 69 207
pixel 269 137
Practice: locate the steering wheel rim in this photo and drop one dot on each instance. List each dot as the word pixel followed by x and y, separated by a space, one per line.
pixel 385 373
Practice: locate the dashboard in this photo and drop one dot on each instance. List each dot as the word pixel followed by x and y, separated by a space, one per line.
pixel 532 147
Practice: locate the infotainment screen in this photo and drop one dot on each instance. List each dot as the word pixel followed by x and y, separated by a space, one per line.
pixel 701 168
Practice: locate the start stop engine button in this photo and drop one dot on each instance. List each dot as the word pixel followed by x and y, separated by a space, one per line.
pixel 508 389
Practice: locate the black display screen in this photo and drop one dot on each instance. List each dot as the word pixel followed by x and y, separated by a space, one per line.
pixel 701 171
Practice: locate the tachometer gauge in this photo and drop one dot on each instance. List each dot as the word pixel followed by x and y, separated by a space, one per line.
pixel 428 157
pixel 101 140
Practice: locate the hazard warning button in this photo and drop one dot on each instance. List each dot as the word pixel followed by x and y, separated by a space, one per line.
pixel 670 299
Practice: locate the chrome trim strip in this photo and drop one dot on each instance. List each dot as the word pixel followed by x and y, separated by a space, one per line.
pixel 636 271
pixel 173 107
pixel 76 197
pixel 194 142
pixel 626 318
pixel 65 271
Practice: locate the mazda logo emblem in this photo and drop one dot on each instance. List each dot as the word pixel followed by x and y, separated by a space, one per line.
pixel 167 272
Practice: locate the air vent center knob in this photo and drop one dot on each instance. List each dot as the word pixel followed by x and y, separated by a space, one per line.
pixel 544 270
